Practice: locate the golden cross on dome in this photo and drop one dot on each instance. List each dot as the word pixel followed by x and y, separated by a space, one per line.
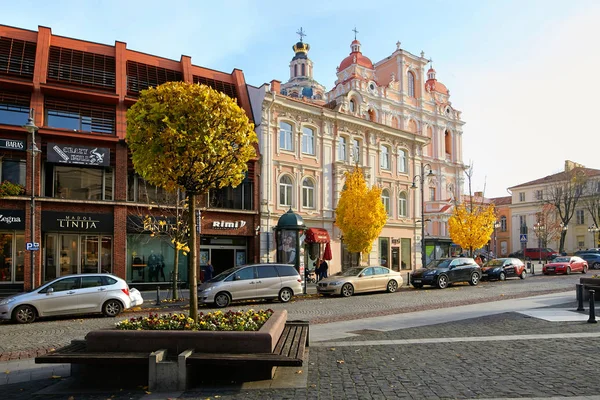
pixel 301 33
pixel 355 32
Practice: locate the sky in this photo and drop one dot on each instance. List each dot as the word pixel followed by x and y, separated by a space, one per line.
pixel 523 72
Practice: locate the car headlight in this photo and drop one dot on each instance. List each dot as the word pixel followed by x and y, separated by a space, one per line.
pixel 6 301
pixel 208 289
pixel 432 272
pixel 335 283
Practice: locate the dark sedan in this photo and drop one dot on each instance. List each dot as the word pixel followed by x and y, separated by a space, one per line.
pixel 445 271
pixel 502 268
pixel 593 259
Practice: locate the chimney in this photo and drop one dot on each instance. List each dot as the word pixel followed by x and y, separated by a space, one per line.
pixel 275 86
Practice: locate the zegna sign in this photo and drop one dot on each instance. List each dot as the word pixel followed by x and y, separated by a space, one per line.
pixel 228 224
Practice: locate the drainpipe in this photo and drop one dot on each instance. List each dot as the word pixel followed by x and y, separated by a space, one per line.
pixel 268 174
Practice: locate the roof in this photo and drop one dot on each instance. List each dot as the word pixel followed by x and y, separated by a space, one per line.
pixel 436 86
pixel 589 172
pixel 502 201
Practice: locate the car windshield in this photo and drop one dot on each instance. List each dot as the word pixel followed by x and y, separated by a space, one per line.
pixel 494 263
pixel 444 263
pixel 223 275
pixel 562 259
pixel 351 272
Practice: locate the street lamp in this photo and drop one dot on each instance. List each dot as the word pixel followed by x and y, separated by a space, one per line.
pixel 32 129
pixel 593 229
pixel 563 229
pixel 496 226
pixel 539 229
pixel 421 177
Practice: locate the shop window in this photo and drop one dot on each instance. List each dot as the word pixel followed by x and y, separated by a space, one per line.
pixel 234 198
pixel 151 259
pixel 405 259
pixel 79 183
pixel 384 249
pixel 14 171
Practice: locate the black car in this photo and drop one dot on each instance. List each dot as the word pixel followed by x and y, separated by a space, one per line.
pixel 593 259
pixel 502 268
pixel 445 271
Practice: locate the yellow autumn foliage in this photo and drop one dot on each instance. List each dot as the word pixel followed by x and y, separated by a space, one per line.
pixel 360 213
pixel 471 228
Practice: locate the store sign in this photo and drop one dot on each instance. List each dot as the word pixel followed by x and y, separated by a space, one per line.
pixel 11 144
pixel 12 219
pixel 228 224
pixel 82 155
pixel 77 222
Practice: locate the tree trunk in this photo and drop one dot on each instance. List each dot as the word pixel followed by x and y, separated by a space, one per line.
pixel 561 247
pixel 193 260
pixel 175 275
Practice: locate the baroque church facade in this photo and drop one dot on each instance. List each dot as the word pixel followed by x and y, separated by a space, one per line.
pixel 391 119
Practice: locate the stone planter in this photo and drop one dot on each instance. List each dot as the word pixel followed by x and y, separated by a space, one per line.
pixel 261 341
pixel 590 283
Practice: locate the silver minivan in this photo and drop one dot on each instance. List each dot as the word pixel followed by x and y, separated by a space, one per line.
pixel 254 281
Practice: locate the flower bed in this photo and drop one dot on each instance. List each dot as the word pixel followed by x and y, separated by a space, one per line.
pixel 216 321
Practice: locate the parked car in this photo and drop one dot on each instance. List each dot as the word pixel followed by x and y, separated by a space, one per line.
pixel 446 271
pixel 252 281
pixel 566 265
pixel 71 294
pixel 539 253
pixel 517 254
pixel 593 259
pixel 502 268
pixel 359 280
pixel 595 250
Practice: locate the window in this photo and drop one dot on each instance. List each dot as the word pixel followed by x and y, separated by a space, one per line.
pixel 341 148
pixel 580 217
pixel 17 57
pixel 521 196
pixel 80 116
pixel 308 141
pixel 385 199
pixel 285 191
pixel 448 144
pixel 402 205
pixel 266 271
pixel 64 285
pixel 522 224
pixel 384 248
pixel 234 198
pixel 243 274
pixel 402 161
pixel 14 171
pixel 503 223
pixel 385 157
pixel 14 108
pixel 81 68
pixel 303 69
pixel 308 193
pixel 431 194
pixel 295 70
pixel 224 87
pixel 352 106
pixel 79 183
pixel 411 84
pixel 91 281
pixel 356 150
pixel 141 76
pixel 539 194
pixel 286 270
pixel 141 191
pixel 285 137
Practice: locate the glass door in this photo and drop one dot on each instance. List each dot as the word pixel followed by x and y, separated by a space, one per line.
pixel 6 260
pixel 106 254
pixel 68 254
pixel 50 258
pixel 89 254
pixel 19 257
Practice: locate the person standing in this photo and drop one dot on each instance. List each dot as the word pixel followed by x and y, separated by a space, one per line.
pixel 323 267
pixel 208 271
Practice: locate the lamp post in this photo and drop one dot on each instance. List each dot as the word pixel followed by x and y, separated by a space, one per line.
pixel 539 229
pixel 563 228
pixel 421 177
pixel 593 229
pixel 32 129
pixel 496 226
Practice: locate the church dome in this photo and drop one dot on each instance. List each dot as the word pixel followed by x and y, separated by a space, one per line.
pixel 355 57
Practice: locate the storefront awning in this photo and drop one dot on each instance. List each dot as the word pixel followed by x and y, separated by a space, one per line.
pixel 317 235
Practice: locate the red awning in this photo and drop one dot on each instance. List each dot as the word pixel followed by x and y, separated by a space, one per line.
pixel 317 235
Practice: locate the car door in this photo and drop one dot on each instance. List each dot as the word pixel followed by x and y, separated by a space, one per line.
pixel 268 281
pixel 381 278
pixel 509 267
pixel 242 284
pixel 62 299
pixel 456 270
pixel 92 293
pixel 365 281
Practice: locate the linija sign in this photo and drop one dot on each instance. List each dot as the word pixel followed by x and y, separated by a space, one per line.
pixel 82 155
pixel 228 224
pixel 77 222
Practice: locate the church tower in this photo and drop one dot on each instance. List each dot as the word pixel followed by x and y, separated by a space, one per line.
pixel 301 83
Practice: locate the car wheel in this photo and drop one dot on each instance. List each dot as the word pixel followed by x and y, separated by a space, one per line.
pixel 222 300
pixel 584 269
pixel 523 274
pixel 24 314
pixel 392 286
pixel 595 265
pixel 568 270
pixel 285 295
pixel 112 308
pixel 474 279
pixel 502 276
pixel 442 282
pixel 347 290
pixel 417 285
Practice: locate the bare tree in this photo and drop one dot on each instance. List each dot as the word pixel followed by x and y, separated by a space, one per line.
pixel 591 202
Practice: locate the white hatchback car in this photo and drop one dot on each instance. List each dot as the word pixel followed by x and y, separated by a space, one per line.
pixel 71 294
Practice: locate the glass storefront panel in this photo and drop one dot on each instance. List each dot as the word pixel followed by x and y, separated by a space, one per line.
pixel 89 254
pixel 106 254
pixel 68 254
pixel 384 249
pixel 6 260
pixel 20 258
pixel 50 257
pixel 406 258
pixel 151 259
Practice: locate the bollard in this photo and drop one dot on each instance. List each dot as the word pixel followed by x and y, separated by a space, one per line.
pixel 579 297
pixel 157 295
pixel 592 319
pixel 532 269
pixel 408 279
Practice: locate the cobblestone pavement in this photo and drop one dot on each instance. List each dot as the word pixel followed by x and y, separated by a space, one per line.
pixel 26 341
pixel 464 370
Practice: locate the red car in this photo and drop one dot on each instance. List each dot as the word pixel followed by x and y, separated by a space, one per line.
pixel 566 265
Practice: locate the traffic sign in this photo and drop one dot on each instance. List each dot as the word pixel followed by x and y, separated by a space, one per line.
pixel 523 238
pixel 33 246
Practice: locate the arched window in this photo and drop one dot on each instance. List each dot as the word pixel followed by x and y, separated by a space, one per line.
pixel 285 136
pixel 372 115
pixel 308 141
pixel 356 150
pixel 352 106
pixel 395 123
pixel 402 205
pixel 412 126
pixel 342 149
pixel 385 199
pixel 411 84
pixel 503 223
pixel 308 193
pixel 402 161
pixel 295 70
pixel 385 157
pixel 285 191
pixel 303 70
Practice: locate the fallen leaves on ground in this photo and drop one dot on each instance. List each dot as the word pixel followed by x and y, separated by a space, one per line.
pixel 299 371
pixel 340 361
pixel 332 349
pixel 56 377
pixel 7 372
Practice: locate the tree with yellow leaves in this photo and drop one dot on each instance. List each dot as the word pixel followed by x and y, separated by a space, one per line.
pixel 190 137
pixel 360 213
pixel 471 227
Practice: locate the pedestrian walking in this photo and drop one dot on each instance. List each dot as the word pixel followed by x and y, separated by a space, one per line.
pixel 208 271
pixel 323 267
pixel 318 269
